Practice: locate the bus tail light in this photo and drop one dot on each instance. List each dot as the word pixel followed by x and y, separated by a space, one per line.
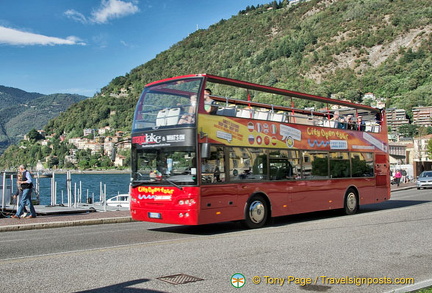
pixel 187 202
pixel 183 215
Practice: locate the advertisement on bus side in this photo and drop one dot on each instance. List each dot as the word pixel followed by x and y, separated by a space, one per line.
pixel 264 133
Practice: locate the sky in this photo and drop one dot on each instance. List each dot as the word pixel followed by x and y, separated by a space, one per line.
pixel 79 46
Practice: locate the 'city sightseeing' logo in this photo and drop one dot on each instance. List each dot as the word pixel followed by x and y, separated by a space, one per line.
pixel 238 280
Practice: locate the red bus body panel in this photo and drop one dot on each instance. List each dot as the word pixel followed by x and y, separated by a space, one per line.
pixel 226 202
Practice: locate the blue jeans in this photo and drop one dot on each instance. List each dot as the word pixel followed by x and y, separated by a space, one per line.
pixel 26 200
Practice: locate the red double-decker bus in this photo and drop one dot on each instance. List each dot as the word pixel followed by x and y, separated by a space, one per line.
pixel 209 149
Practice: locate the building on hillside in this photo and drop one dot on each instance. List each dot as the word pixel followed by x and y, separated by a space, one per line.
pixel 102 131
pixel 410 153
pixel 71 159
pixel 369 99
pixel 422 158
pixel 78 142
pixel 94 147
pixel 108 147
pixel 119 160
pixel 396 118
pixel 397 153
pixel 380 104
pixel 88 131
pixel 422 116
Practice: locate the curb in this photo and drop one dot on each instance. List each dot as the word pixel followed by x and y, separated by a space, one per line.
pixel 65 224
pixel 402 188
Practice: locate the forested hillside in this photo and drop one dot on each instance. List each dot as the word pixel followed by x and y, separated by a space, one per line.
pixel 10 96
pixel 340 48
pixel 21 111
pixel 331 48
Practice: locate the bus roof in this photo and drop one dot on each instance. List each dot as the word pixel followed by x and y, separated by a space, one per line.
pixel 268 89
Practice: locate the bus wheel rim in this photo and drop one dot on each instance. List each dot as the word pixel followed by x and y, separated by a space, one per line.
pixel 351 202
pixel 257 212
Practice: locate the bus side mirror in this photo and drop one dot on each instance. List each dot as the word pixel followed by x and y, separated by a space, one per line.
pixel 205 150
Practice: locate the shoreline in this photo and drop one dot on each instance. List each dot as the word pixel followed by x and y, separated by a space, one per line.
pixel 85 172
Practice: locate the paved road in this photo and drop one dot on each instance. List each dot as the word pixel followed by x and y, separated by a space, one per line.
pixel 386 241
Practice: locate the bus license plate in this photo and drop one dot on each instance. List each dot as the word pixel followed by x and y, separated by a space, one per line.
pixel 155 215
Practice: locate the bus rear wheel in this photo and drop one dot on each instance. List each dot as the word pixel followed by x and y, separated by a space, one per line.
pixel 256 212
pixel 351 203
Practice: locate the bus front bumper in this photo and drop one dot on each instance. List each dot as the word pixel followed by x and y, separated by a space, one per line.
pixel 181 217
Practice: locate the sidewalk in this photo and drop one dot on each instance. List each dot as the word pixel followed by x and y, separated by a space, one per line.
pixel 403 186
pixel 64 220
pixel 88 217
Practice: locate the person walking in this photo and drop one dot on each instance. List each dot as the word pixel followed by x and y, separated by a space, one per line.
pixel 18 193
pixel 398 176
pixel 26 184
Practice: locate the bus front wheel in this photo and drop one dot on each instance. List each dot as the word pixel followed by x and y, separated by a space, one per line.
pixel 351 204
pixel 256 212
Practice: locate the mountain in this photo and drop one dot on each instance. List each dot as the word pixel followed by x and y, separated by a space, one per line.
pixel 339 48
pixel 332 48
pixel 10 96
pixel 21 111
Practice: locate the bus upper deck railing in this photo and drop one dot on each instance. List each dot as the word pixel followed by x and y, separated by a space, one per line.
pixel 261 111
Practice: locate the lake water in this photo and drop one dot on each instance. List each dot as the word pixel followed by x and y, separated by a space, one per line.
pixel 90 186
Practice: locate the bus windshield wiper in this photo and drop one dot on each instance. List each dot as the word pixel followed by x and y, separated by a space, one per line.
pixel 172 183
pixel 136 183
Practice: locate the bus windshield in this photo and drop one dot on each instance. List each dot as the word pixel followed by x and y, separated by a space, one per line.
pixel 167 104
pixel 159 166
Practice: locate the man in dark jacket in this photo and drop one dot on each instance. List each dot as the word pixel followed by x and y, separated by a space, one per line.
pixel 26 187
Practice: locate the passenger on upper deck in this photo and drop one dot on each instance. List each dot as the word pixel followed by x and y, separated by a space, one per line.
pixel 209 103
pixel 335 119
pixel 188 116
pixel 360 124
pixel 350 123
pixel 342 123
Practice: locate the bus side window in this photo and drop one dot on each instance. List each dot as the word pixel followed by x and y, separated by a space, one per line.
pixel 285 172
pixel 273 171
pixel 247 164
pixel 281 169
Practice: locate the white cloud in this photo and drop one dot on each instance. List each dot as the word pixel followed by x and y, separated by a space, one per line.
pixel 11 36
pixel 111 9
pixel 75 15
pixel 127 45
pixel 101 40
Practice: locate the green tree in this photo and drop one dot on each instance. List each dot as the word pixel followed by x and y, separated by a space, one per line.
pixel 429 148
pixel 46 151
pixel 53 162
pixel 34 135
pixel 84 164
pixel 408 130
